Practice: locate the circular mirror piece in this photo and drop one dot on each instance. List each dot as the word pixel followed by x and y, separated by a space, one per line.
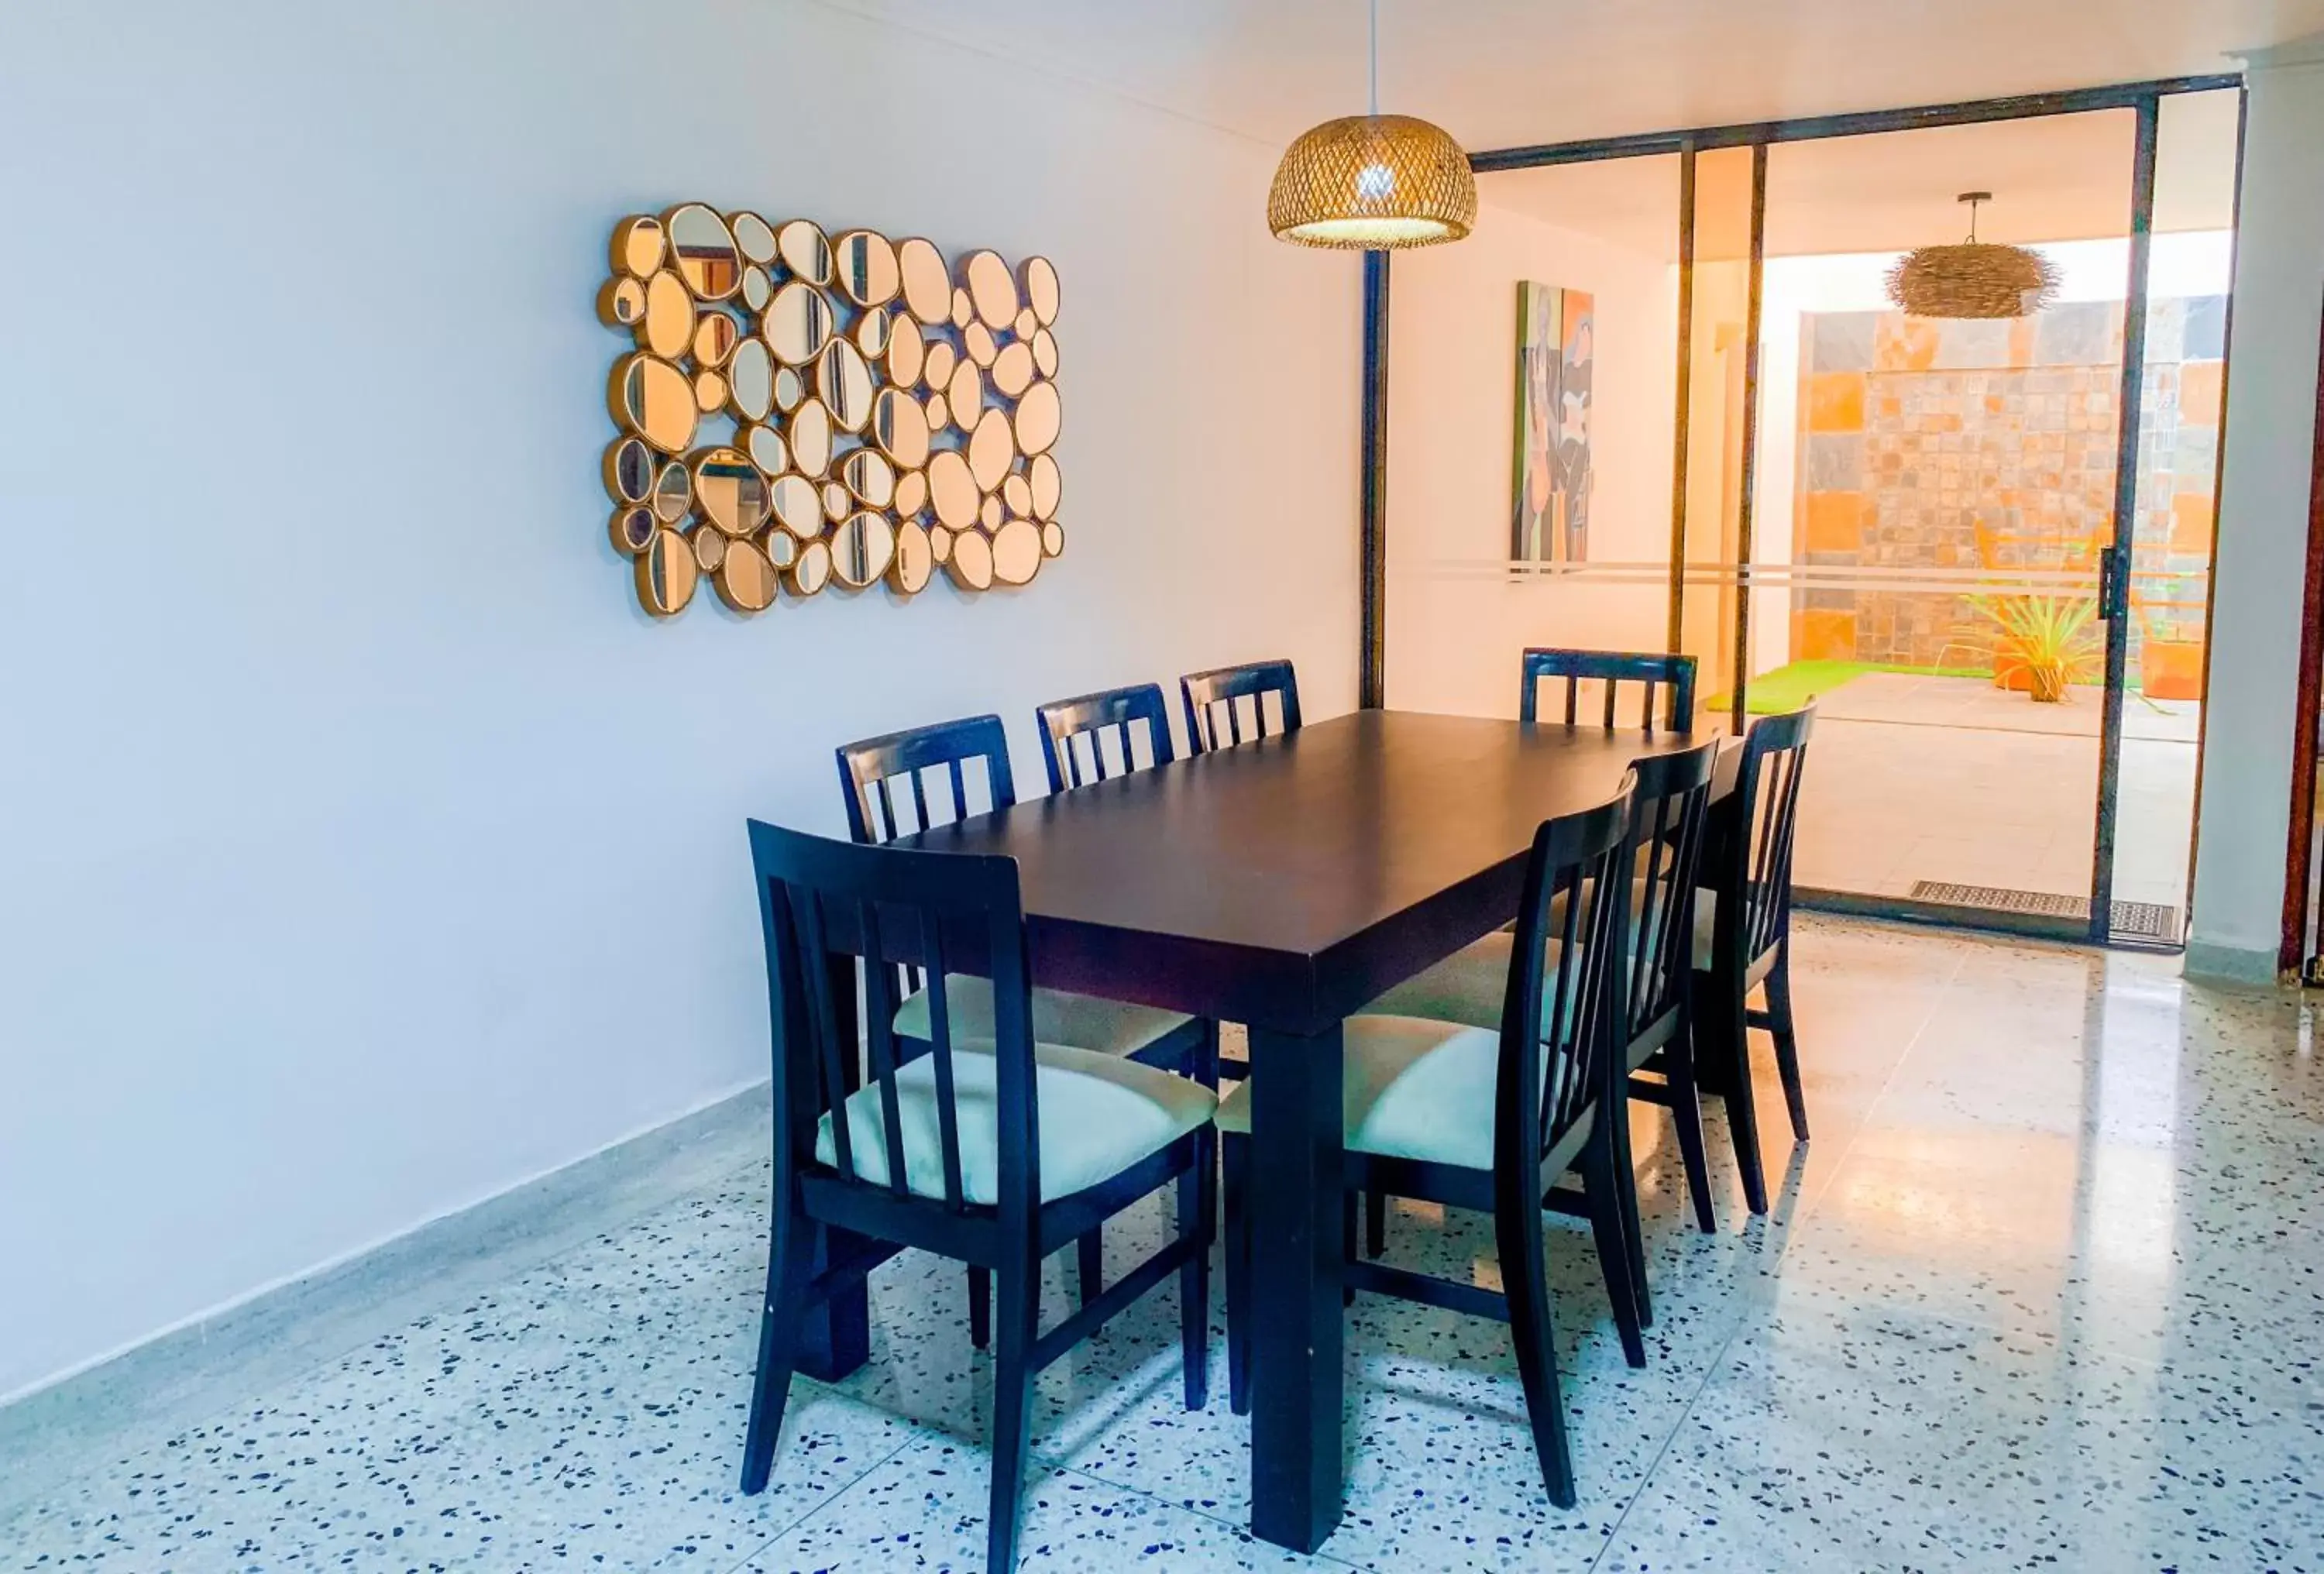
pixel 621 303
pixel 632 529
pixel 936 370
pixel 673 494
pixel 746 581
pixel 836 503
pixel 812 572
pixel 866 474
pixel 715 336
pixel 952 487
pixel 990 450
pixel 709 548
pixel 940 543
pixel 804 250
pixel 901 428
pixel 781 547
pixel 766 450
pixel 845 382
pixel 704 251
pixel 798 323
pixel 915 560
pixel 790 389
pixel 861 548
pixel 750 381
pixel 1046 484
pixel 911 494
pixel 939 412
pixel 872 333
pixel 978 345
pixel 798 505
pixel 666 574
pixel 729 492
pixel 991 289
pixel 1045 352
pixel 639 246
pixel 758 289
pixel 927 283
pixel 906 351
pixel 1025 323
pixel 1017 552
pixel 1053 538
pixel 1041 289
pixel 1039 418
pixel 988 514
pixel 1013 369
pixel 810 436
pixel 1016 493
pixel 970 566
pixel 668 327
pixel 653 399
pixel 867 267
pixel 709 391
pixel 629 470
pixel 967 394
pixel 962 312
pixel 754 236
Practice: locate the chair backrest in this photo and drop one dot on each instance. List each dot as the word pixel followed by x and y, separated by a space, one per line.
pixel 823 904
pixel 1670 810
pixel 1557 1031
pixel 1219 694
pixel 1613 668
pixel 1754 880
pixel 870 773
pixel 1073 729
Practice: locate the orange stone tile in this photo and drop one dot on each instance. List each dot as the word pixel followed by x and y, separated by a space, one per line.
pixel 1904 344
pixel 1835 521
pixel 1836 401
pixel 2190 522
pixel 1825 635
pixel 2198 394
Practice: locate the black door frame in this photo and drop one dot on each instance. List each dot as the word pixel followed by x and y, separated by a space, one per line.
pixel 2144 98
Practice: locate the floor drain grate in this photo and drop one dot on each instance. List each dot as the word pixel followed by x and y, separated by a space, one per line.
pixel 2144 920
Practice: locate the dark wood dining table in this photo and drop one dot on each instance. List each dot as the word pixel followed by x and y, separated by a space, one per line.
pixel 1282 883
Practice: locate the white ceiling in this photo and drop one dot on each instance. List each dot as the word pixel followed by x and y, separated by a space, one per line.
pixel 1503 72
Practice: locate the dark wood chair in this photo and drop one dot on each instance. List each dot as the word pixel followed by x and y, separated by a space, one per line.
pixel 1670 811
pixel 907 781
pixel 1743 936
pixel 1078 730
pixel 991 1150
pixel 1217 696
pixel 1613 668
pixel 1489 1119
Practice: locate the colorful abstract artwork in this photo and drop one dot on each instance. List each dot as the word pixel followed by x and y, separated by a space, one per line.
pixel 1555 334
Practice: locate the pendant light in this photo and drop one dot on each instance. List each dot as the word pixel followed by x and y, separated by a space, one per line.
pixel 1975 279
pixel 1373 181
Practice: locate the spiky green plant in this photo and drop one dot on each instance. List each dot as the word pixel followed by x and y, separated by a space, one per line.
pixel 2050 636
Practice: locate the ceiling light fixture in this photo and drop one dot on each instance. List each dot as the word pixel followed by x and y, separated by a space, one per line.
pixel 1975 279
pixel 1372 182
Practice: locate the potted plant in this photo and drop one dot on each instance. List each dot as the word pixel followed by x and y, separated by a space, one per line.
pixel 2044 641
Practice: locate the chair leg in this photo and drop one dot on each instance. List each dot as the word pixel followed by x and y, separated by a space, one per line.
pixel 1601 1181
pixel 1196 1208
pixel 1524 1277
pixel 1089 1258
pixel 1719 1008
pixel 1235 1165
pixel 1348 1209
pixel 1686 1114
pixel 1012 1393
pixel 1787 1045
pixel 1625 1175
pixel 980 1307
pixel 1375 1224
pixel 790 1256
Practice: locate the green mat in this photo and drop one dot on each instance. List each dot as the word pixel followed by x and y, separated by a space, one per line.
pixel 1788 687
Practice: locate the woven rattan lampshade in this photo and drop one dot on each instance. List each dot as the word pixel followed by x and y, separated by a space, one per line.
pixel 1373 182
pixel 1975 279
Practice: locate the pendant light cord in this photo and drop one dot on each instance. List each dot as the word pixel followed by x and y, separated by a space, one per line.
pixel 1375 58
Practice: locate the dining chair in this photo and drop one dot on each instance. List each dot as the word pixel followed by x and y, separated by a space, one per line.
pixel 1078 730
pixel 1208 695
pixel 1486 1119
pixel 1613 668
pixel 923 776
pixel 991 1147
pixel 1662 853
pixel 1743 936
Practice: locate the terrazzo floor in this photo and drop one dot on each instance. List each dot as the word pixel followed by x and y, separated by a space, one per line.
pixel 2045 1290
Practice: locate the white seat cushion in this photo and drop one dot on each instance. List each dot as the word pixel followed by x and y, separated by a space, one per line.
pixel 1414 1089
pixel 1099 1115
pixel 1083 1021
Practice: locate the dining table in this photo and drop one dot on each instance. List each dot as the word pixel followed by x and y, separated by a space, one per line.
pixel 1281 884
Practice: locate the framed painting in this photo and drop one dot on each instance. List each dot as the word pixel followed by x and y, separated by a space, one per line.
pixel 1552 475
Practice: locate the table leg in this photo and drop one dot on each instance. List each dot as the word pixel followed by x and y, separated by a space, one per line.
pixel 837 1337
pixel 1295 1330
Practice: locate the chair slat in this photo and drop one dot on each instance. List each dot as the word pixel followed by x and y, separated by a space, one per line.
pixel 940 1046
pixel 880 1031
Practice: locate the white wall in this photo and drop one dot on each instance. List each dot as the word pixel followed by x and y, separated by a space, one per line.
pixel 2271 366
pixel 1456 620
pixel 367 851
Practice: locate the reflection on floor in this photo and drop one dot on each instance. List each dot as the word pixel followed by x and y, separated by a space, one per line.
pixel 1915 778
pixel 2043 1290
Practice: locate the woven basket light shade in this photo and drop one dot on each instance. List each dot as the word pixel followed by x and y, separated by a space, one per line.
pixel 1973 280
pixel 1373 182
